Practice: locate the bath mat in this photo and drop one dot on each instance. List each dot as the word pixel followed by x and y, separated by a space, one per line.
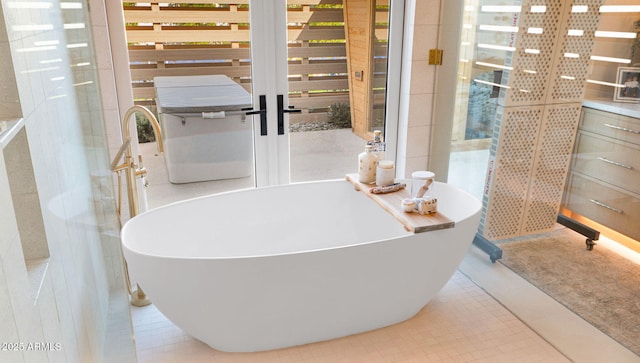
pixel 598 285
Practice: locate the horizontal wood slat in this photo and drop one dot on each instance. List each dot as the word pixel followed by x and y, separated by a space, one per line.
pixel 320 68
pixel 173 35
pixel 290 2
pixel 179 15
pixel 231 71
pixel 231 2
pixel 319 51
pixel 318 15
pixel 184 36
pixel 145 90
pixel 191 40
pixel 211 15
pixel 337 84
pixel 188 53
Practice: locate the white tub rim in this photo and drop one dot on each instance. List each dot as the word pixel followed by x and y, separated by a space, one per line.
pixel 139 252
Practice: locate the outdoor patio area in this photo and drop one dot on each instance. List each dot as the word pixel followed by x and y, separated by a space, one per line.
pixel 315 155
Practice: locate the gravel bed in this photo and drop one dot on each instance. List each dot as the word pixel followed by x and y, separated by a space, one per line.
pixel 312 126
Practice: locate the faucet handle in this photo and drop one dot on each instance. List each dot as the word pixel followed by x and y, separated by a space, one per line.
pixel 119 154
pixel 140 170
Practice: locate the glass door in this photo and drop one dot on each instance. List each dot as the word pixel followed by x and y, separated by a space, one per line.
pixel 297 61
pixel 198 55
pixel 486 45
pixel 338 67
pixel 270 90
pixel 324 95
pixel 213 73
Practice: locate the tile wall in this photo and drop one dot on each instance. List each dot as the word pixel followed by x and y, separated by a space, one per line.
pixel 423 143
pixel 8 88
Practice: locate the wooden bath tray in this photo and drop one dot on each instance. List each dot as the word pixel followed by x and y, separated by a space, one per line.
pixel 412 222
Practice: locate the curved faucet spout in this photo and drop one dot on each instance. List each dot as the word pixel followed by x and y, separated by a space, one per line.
pixel 133 170
pixel 126 131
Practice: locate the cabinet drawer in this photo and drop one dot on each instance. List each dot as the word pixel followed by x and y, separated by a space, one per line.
pixel 613 208
pixel 605 159
pixel 609 124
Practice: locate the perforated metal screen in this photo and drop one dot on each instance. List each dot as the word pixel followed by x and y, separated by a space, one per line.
pixel 537 119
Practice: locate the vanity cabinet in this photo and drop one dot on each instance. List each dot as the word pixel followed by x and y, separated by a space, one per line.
pixel 604 180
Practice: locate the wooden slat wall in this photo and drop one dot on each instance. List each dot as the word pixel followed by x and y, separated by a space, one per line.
pixel 182 41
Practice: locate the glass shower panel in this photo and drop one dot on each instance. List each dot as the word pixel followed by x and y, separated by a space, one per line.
pixel 93 153
pixel 380 65
pixel 488 37
pixel 616 58
pixel 93 157
pixel 486 44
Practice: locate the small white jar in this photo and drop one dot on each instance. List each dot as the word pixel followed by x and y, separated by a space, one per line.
pixel 421 180
pixel 385 173
pixel 408 205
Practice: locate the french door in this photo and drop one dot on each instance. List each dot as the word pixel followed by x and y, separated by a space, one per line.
pixel 241 63
pixel 270 76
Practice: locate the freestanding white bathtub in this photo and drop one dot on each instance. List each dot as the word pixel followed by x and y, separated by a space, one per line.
pixel 281 266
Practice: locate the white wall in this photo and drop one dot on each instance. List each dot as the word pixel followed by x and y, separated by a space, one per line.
pixel 418 82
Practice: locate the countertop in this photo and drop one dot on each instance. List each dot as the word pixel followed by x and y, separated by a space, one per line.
pixel 607 105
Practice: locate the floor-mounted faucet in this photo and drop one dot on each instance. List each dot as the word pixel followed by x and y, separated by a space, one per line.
pixel 133 171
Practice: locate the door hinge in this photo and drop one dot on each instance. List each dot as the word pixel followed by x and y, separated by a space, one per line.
pixel 435 56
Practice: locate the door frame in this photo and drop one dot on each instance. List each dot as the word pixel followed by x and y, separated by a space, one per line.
pixel 269 40
pixel 272 154
pixel 394 79
pixel 269 78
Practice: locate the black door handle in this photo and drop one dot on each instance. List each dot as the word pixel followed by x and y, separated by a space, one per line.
pixel 263 115
pixel 281 112
pixel 291 109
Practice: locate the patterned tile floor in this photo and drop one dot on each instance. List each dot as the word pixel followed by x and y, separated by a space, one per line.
pixel 461 324
pixel 485 313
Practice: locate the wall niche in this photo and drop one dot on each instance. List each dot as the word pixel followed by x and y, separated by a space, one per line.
pixel 26 205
